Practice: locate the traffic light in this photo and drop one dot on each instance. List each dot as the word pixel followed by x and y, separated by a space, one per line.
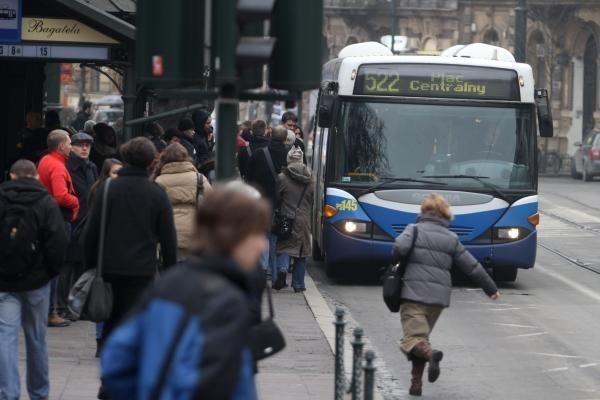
pixel 297 27
pixel 240 46
pixel 170 43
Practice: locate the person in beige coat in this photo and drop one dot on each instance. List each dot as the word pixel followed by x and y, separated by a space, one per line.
pixel 295 193
pixel 185 187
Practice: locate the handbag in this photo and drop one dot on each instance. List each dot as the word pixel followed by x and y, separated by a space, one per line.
pixel 267 338
pixel 393 278
pixel 283 225
pixel 91 297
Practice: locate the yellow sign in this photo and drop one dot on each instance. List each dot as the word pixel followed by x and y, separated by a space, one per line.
pixel 61 30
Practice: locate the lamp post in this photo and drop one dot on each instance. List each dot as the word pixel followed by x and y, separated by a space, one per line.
pixel 394 24
pixel 521 31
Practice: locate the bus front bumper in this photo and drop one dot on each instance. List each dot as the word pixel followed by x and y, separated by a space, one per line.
pixel 341 248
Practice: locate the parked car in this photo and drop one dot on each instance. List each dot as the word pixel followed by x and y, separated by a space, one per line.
pixel 585 163
pixel 108 115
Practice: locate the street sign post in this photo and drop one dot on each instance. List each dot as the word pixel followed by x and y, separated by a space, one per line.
pixel 10 20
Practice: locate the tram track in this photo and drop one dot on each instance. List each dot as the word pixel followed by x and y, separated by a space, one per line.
pixel 564 255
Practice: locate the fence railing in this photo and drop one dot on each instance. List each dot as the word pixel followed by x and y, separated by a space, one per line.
pixel 363 367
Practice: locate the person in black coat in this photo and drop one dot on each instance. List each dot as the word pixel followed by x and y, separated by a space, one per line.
pixel 258 140
pixel 207 297
pixel 28 294
pixel 140 218
pixel 259 173
pixel 24 188
pixel 84 173
pixel 82 116
pixel 173 135
pixel 204 138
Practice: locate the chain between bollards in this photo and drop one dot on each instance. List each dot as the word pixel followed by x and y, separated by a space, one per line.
pixel 357 353
pixel 340 378
pixel 369 369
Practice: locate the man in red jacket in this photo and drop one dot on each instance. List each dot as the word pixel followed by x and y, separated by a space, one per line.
pixel 55 176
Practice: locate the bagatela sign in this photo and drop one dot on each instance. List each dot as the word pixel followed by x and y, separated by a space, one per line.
pixel 61 30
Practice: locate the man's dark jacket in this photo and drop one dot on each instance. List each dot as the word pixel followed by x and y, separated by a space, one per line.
pixel 80 120
pixel 256 143
pixel 84 174
pixel 139 217
pixel 51 232
pixel 260 175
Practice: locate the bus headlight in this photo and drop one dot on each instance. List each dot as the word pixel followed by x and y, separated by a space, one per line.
pixel 355 227
pixel 362 229
pixel 509 233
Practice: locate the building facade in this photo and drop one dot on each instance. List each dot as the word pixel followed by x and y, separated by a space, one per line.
pixel 562 45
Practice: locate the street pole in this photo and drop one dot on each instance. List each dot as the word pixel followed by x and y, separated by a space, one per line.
pixel 227 108
pixel 394 24
pixel 227 103
pixel 521 31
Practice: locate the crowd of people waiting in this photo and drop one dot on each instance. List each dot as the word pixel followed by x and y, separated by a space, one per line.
pixel 161 211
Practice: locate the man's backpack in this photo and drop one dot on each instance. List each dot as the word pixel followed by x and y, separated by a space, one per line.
pixel 19 244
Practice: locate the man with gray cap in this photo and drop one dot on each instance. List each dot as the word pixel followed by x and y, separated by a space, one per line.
pixel 83 172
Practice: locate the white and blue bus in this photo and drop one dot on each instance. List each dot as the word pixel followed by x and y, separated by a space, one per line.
pixel 391 129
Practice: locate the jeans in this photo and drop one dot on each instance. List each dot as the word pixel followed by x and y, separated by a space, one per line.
pixel 268 260
pixel 31 310
pixel 273 255
pixel 283 263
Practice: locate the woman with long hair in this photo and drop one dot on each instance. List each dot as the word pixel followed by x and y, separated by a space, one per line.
pixel 185 187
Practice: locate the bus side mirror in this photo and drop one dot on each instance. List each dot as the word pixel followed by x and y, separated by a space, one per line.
pixel 326 110
pixel 544 113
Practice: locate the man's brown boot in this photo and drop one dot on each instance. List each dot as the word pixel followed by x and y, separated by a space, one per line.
pixel 423 350
pixel 416 383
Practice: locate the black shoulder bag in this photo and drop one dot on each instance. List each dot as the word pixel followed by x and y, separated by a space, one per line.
pixel 392 279
pixel 267 338
pixel 98 307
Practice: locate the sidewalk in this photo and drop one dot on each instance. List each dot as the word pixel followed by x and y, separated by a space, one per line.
pixel 303 371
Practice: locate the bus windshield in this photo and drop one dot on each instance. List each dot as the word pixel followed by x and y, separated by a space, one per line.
pixel 376 141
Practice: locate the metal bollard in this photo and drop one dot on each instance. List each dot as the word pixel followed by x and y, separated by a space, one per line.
pixel 357 357
pixel 369 375
pixel 340 379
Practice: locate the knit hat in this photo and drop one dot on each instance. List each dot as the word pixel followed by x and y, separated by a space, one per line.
pixel 295 155
pixel 81 137
pixel 185 124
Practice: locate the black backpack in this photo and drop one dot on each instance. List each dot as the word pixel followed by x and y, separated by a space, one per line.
pixel 19 244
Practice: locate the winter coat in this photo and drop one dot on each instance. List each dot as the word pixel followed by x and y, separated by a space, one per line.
pixel 208 302
pixel 51 232
pixel 56 178
pixel 180 181
pixel 260 175
pixel 427 278
pixel 202 147
pixel 139 218
pixel 291 183
pixel 80 120
pixel 84 174
pixel 256 143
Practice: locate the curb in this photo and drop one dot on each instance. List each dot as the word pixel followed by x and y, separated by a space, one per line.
pixel 325 318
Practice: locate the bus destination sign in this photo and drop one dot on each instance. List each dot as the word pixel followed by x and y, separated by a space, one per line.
pixel 437 81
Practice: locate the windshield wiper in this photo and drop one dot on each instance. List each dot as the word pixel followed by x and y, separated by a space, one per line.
pixel 387 181
pixel 499 193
